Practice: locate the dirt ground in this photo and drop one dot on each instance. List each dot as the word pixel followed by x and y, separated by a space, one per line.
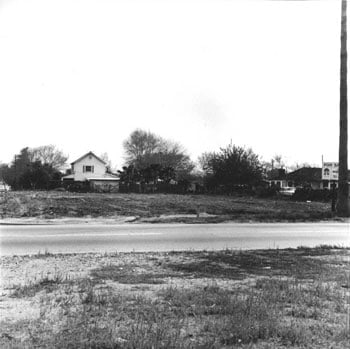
pixel 226 299
pixel 155 208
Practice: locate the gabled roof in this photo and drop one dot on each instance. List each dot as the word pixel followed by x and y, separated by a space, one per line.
pixel 306 174
pixel 104 177
pixel 71 176
pixel 90 153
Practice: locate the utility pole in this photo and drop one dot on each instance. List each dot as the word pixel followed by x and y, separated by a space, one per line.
pixel 343 187
pixel 15 172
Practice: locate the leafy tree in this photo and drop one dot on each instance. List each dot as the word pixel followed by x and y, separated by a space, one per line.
pixel 38 176
pixel 152 173
pixel 20 164
pixel 49 155
pixel 231 166
pixel 148 178
pixel 129 174
pixel 26 173
pixel 5 173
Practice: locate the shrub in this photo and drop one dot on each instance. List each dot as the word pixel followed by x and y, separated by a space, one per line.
pixel 265 192
pixel 304 194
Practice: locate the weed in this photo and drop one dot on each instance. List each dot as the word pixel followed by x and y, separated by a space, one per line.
pixel 298 301
pixel 62 204
pixel 237 265
pixel 44 254
pixel 128 274
pixel 47 283
pixel 294 333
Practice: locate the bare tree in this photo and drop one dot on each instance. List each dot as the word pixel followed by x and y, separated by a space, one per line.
pixel 278 161
pixel 104 156
pixel 143 149
pixel 139 144
pixel 49 155
pixel 298 165
pixel 342 206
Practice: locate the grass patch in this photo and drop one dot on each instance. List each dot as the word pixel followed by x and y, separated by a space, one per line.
pixel 277 307
pixel 237 265
pixel 178 318
pixel 236 208
pixel 47 283
pixel 129 274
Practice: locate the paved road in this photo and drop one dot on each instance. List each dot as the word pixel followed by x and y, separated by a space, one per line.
pixel 30 239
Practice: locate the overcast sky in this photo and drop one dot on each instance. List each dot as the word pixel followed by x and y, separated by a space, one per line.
pixel 84 74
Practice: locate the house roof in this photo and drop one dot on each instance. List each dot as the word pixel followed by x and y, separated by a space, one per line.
pixel 90 153
pixel 104 177
pixel 306 174
pixel 71 176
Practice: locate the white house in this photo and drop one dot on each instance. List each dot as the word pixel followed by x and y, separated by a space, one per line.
pixel 90 168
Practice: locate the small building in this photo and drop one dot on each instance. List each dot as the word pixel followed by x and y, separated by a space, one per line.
pixel 307 177
pixel 91 171
pixel 330 174
pixel 316 177
pixel 278 178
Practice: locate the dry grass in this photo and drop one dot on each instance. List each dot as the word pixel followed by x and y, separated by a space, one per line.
pixel 149 207
pixel 226 299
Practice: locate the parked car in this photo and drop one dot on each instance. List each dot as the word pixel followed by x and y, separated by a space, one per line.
pixel 4 187
pixel 287 191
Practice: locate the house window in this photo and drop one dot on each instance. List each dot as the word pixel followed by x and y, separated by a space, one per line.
pixel 88 169
pixel 326 172
pixel 325 184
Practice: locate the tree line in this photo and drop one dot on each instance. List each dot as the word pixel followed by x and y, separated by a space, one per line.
pixel 150 160
pixel 34 168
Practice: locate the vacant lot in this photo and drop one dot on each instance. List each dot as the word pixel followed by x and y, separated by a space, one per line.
pixel 227 299
pixel 158 207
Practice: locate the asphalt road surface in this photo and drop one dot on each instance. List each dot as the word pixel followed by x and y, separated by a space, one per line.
pixel 30 239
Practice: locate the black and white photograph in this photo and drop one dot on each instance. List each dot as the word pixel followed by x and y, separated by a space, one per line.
pixel 174 174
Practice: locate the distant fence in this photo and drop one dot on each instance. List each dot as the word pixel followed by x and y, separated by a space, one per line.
pixel 261 191
pixel 146 188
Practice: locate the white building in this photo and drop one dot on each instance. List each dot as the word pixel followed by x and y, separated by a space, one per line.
pixel 90 168
pixel 330 175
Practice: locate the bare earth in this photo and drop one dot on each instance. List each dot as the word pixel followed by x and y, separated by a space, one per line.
pixel 225 299
pixel 155 208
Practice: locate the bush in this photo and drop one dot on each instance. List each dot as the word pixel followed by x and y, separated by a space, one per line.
pixel 79 187
pixel 304 194
pixel 265 192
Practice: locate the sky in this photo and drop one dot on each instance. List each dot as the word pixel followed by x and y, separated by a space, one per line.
pixel 82 75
